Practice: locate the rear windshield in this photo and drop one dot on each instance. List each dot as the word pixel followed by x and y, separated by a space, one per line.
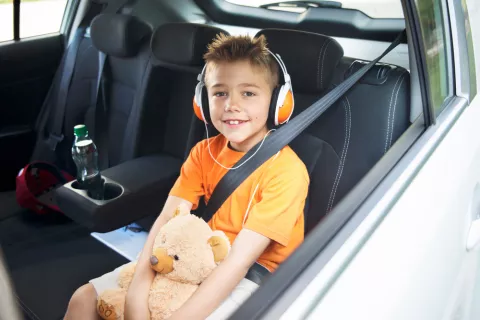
pixel 372 8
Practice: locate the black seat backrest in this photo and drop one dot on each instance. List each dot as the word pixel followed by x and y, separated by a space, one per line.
pixel 342 145
pixel 129 73
pixel 125 39
pixel 178 49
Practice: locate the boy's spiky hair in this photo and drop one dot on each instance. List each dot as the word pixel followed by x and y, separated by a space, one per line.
pixel 237 48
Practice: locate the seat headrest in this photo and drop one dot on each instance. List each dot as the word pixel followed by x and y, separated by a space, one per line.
pixel 118 35
pixel 310 58
pixel 183 43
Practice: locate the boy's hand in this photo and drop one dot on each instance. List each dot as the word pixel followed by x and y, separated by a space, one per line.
pixel 246 249
pixel 136 301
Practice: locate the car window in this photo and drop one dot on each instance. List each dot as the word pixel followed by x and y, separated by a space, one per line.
pixel 432 27
pixel 471 54
pixel 6 20
pixel 372 8
pixel 37 17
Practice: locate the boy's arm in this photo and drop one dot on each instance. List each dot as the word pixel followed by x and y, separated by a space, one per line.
pixel 246 249
pixel 136 304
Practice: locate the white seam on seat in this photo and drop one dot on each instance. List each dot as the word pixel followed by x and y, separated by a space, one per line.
pixel 323 59
pixel 343 157
pixel 395 107
pixel 348 125
pixel 318 62
pixel 390 115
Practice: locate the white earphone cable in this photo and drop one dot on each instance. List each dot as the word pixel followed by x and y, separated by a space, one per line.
pixel 233 168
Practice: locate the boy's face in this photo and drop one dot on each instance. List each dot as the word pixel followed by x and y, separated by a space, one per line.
pixel 239 98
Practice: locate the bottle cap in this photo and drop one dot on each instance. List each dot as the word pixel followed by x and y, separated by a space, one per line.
pixel 80 130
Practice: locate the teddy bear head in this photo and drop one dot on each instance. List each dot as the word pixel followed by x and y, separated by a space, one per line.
pixel 187 250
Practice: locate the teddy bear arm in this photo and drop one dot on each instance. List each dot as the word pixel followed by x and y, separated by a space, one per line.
pixel 126 275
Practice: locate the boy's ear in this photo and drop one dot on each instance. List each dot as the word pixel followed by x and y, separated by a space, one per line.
pixel 220 245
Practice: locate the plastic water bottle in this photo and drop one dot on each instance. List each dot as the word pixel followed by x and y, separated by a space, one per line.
pixel 85 156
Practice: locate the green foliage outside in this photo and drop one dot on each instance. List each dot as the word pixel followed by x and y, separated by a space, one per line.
pixel 431 21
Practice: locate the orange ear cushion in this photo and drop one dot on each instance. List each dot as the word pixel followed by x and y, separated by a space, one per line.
pixel 197 111
pixel 285 111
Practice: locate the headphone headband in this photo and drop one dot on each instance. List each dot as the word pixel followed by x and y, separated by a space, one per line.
pixel 286 76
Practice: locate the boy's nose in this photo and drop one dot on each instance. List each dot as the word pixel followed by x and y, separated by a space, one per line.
pixel 232 106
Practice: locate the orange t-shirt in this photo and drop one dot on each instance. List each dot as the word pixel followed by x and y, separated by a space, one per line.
pixel 277 206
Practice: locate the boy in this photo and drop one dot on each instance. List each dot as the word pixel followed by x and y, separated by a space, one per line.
pixel 263 218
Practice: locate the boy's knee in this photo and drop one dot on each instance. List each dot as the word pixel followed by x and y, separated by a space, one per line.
pixel 83 297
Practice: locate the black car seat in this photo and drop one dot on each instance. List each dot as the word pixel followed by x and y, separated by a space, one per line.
pixel 347 140
pixel 129 73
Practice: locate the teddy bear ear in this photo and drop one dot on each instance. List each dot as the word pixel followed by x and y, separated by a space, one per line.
pixel 220 245
pixel 182 210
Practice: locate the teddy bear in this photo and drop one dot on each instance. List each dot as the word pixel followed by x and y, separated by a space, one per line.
pixel 185 252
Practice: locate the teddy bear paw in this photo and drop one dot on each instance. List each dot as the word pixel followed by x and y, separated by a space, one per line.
pixel 107 311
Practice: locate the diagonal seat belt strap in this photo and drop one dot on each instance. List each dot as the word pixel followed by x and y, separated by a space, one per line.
pixel 101 119
pixel 283 136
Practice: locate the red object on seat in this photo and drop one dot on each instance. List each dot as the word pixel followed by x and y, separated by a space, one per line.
pixel 36 184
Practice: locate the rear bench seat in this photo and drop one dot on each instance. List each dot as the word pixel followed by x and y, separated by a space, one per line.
pixel 342 145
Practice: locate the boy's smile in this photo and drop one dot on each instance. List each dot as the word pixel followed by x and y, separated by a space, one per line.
pixel 239 98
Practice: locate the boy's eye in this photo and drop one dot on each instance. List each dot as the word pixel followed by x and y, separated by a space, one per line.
pixel 248 94
pixel 220 94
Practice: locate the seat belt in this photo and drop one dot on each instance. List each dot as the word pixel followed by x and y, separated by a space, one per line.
pixel 101 112
pixel 275 141
pixel 56 136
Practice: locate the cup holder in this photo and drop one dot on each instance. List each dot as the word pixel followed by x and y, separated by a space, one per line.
pixel 107 190
pixel 77 185
pixel 110 191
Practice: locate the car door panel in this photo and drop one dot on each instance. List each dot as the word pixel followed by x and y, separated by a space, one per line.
pixel 27 70
pixel 415 265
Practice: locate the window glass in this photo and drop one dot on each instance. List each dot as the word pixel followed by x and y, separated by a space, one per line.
pixel 6 20
pixel 471 53
pixel 433 32
pixel 39 17
pixel 372 8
